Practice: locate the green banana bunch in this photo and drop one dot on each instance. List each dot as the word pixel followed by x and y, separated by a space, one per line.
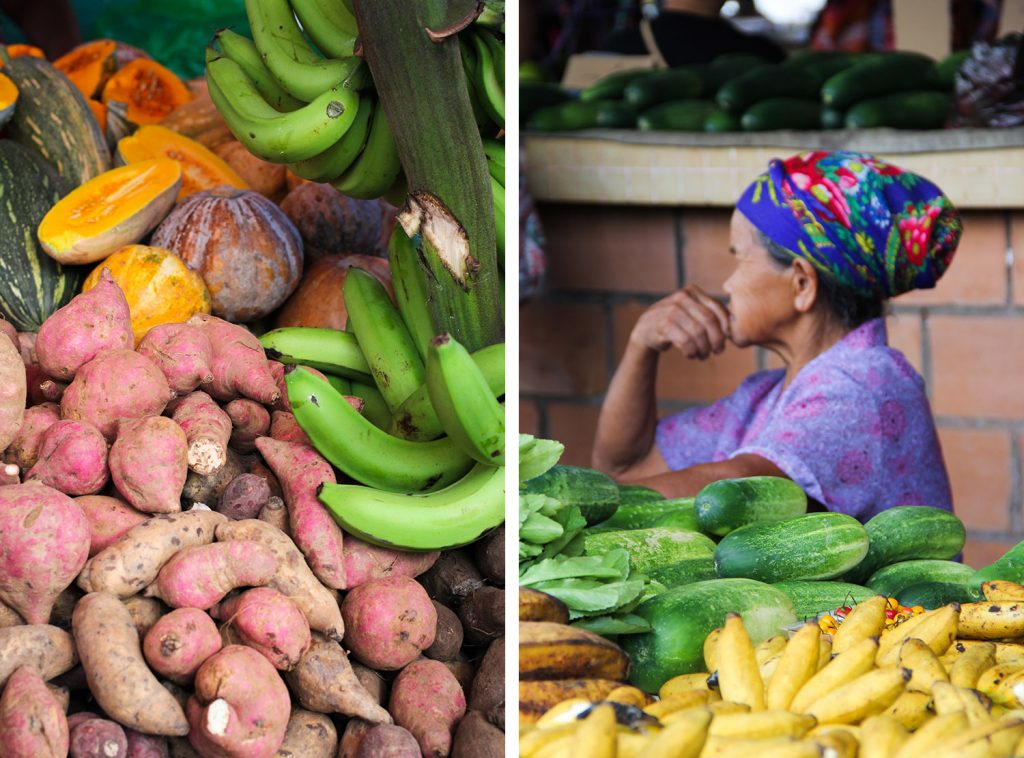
pixel 489 73
pixel 494 151
pixel 378 165
pixel 498 195
pixel 465 405
pixel 374 407
pixel 329 350
pixel 383 337
pixel 333 161
pixel 456 515
pixel 469 65
pixel 362 451
pixel 330 25
pixel 296 66
pixel 410 286
pixel 416 419
pixel 243 52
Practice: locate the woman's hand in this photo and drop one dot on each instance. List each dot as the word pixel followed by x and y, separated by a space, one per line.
pixel 688 319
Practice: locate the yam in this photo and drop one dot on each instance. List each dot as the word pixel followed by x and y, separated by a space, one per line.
pixel 452 578
pixel 209 488
pixel 427 700
pixel 483 615
pixel 354 732
pixel 179 643
pixel 489 555
pixel 388 740
pixel 98 738
pixel 146 745
pixel 244 497
pixel 309 735
pixel 477 738
pixel 447 637
pixel 149 463
pixel 487 694
pixel 388 622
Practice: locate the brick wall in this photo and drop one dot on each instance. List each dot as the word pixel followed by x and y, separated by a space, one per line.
pixel 966 337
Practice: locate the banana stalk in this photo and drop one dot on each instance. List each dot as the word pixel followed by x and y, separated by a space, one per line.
pixel 416 63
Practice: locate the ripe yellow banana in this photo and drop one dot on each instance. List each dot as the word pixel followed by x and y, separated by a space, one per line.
pixel 1003 591
pixel 881 736
pixel 535 739
pixel 824 651
pixel 924 665
pixel 976 706
pixel 986 740
pixel 1002 689
pixel 536 698
pixel 738 677
pixel 711 649
pixel 1008 652
pixel 866 695
pixel 911 709
pixel 540 606
pixel 990 621
pixel 771 747
pixel 798 663
pixel 762 724
pixel 680 701
pixel 631 745
pixel 556 651
pixel 837 742
pixel 867 619
pixel 946 699
pixel 937 629
pixel 932 734
pixel 769 648
pixel 968 667
pixel 627 695
pixel 722 707
pixel 596 736
pixel 767 669
pixel 683 738
pixel 684 682
pixel 892 637
pixel 845 667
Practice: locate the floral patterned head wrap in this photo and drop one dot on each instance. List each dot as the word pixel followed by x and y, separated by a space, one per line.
pixel 873 228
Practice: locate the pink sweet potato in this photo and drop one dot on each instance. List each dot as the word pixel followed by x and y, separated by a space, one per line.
pixel 13 390
pixel 388 740
pixel 131 564
pixel 98 738
pixel 301 471
pixel 44 542
pixel 244 497
pixel 240 708
pixel 365 562
pixel 146 745
pixel 309 735
pixel 115 385
pixel 178 644
pixel 116 670
pixel 32 723
pixel 275 513
pixel 239 363
pixel 324 681
pixel 109 519
pixel 52 390
pixel 145 612
pixel 207 429
pixel 9 617
pixel 374 683
pixel 10 473
pixel 285 428
pixel 24 448
pixel 72 459
pixel 277 373
pixel 198 577
pixel 9 329
pixel 427 700
pixel 249 420
pixel 269 623
pixel 389 622
pixel 92 323
pixel 183 352
pixel 45 648
pixel 27 345
pixel 293 577
pixel 353 735
pixel 148 463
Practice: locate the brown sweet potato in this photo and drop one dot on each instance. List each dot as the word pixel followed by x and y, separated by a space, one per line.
pixel 269 623
pixel 487 695
pixel 275 513
pixel 9 617
pixel 448 637
pixel 452 578
pixel 207 429
pixel 427 700
pixel 489 555
pixel 198 577
pixel 208 489
pixel 13 390
pixel 249 420
pixel 354 732
pixel 109 519
pixel 388 622
pixel 364 562
pixel 483 615
pixel 119 679
pixel 145 612
pixel 309 735
pixel 463 670
pixel 477 738
pixel 32 723
pixel 324 682
pixel 72 459
pixel 179 643
pixel 374 683
pixel 149 463
pixel 244 497
pixel 64 606
pixel 388 740
pixel 183 353
pixel 61 694
pixel 98 738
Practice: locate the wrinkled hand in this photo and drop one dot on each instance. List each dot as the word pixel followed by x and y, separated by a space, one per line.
pixel 689 319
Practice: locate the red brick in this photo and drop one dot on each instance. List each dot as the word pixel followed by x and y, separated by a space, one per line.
pixel 977 364
pixel 978 271
pixel 978 552
pixel 1017 244
pixel 905 335
pixel 529 417
pixel 978 461
pixel 611 248
pixel 706 259
pixel 574 426
pixel 561 349
pixel 682 379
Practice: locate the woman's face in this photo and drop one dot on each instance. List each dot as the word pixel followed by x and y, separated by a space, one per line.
pixel 760 291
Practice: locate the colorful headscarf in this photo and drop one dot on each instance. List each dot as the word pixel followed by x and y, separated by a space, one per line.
pixel 871 227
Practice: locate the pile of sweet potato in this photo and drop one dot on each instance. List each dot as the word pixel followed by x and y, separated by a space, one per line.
pixel 171 586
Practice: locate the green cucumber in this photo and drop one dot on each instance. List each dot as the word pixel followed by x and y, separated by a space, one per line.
pixel 811 599
pixel 832 118
pixel 1009 566
pixel 654 548
pixel 781 113
pixel 676 116
pixel 815 546
pixel 610 87
pixel 684 517
pixel 682 617
pixel 574 115
pixel 721 121
pixel 931 595
pixel 635 494
pixel 948 67
pixel 902 110
pixel 892 579
pixel 726 67
pixel 596 494
pixel 536 95
pixel 643 515
pixel 673 84
pixel 766 82
pixel 728 504
pixel 894 72
pixel 909 532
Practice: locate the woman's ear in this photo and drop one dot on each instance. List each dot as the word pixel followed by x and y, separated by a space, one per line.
pixel 805 285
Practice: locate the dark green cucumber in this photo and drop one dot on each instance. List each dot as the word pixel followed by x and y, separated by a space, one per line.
pixel 895 72
pixel 635 494
pixel 726 67
pixel 811 599
pixel 536 95
pixel 832 118
pixel 893 579
pixel 766 82
pixel 596 494
pixel 925 109
pixel 728 504
pixel 948 66
pixel 673 84
pixel 682 617
pixel 678 518
pixel 781 113
pixel 611 87
pixel 722 121
pixel 676 116
pixel 1009 566
pixel 815 546
pixel 931 595
pixel 644 515
pixel 574 115
pixel 909 532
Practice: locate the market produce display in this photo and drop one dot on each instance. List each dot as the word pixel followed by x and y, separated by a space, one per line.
pixel 252 424
pixel 739 92
pixel 748 626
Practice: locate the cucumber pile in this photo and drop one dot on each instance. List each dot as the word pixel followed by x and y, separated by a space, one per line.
pixel 739 92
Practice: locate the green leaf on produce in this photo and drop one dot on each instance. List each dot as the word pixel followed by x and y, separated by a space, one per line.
pixel 575 546
pixel 539 529
pixel 573 524
pixel 529 504
pixel 527 551
pixel 612 565
pixel 583 595
pixel 536 456
pixel 608 626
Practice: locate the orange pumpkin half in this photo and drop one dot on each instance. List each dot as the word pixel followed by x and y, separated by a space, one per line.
pixel 150 90
pixel 89 66
pixel 159 287
pixel 8 99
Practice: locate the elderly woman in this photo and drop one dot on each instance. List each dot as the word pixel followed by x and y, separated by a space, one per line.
pixel 821 241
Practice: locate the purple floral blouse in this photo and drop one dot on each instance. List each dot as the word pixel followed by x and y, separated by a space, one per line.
pixel 854 428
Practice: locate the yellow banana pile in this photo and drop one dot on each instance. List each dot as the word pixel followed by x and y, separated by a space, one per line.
pixel 948 683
